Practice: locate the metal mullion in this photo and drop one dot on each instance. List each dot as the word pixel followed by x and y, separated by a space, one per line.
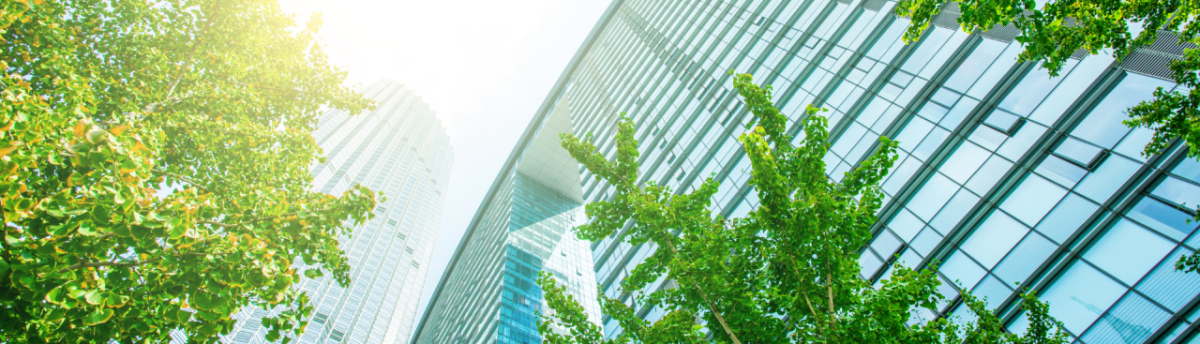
pixel 729 49
pixel 676 117
pixel 891 67
pixel 738 113
pixel 1074 245
pixel 930 166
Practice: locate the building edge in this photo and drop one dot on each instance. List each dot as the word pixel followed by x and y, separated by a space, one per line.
pixel 531 131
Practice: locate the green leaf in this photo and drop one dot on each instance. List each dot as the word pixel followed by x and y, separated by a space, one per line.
pixel 93 297
pixel 205 301
pixel 98 316
pixel 116 301
pixel 56 295
pixel 87 229
pixel 210 329
pixel 177 232
pixel 314 273
pixel 181 315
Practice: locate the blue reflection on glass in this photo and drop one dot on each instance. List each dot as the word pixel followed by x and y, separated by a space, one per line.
pixel 1133 320
pixel 932 196
pixel 1103 125
pixel 926 241
pixel 1128 251
pixel 1166 219
pixel 1033 199
pixel 1079 151
pixel 992 240
pixel 1188 168
pixel 1079 297
pixel 1178 191
pixel 962 269
pixel 989 174
pixel 1061 171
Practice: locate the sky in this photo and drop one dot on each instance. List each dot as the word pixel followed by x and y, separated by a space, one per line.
pixel 483 65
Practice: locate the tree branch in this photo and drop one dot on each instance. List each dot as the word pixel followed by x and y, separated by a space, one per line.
pixel 114 263
pixel 289 90
pixel 712 307
pixel 808 301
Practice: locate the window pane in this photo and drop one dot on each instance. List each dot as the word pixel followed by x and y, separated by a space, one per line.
pixel 1167 219
pixel 1169 287
pixel 1128 251
pixel 869 263
pixel 906 225
pixel 1111 175
pixel 954 211
pixel 886 244
pixel 931 143
pixel 926 241
pixel 1081 152
pixel 963 163
pixel 1061 171
pixel 1026 257
pixel 1030 92
pixel 989 174
pixel 962 270
pixel 932 196
pixel 1133 320
pixel 1178 191
pixel 1188 168
pixel 992 240
pixel 980 59
pixel 1066 217
pixel 1103 125
pixel 1080 296
pixel 1033 199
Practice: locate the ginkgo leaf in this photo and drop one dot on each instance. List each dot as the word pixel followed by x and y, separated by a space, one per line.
pixel 98 316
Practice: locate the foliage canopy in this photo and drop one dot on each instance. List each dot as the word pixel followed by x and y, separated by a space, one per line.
pixel 154 164
pixel 787 273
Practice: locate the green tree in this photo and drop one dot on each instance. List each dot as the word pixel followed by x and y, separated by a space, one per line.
pixel 1054 31
pixel 154 161
pixel 787 273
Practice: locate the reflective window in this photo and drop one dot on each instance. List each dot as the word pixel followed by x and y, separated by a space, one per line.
pixel 1033 199
pixel 1128 251
pixel 1080 296
pixel 1103 125
pixel 992 240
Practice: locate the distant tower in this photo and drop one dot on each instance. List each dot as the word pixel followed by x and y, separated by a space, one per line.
pixel 402 149
pixel 488 293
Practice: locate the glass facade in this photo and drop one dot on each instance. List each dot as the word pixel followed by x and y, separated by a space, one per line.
pixel 402 149
pixel 1008 178
pixel 489 293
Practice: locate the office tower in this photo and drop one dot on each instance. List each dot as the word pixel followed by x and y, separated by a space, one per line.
pixel 1008 178
pixel 399 148
pixel 488 293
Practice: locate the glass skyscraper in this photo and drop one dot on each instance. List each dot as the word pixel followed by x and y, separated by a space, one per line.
pixel 402 149
pixel 1007 178
pixel 488 293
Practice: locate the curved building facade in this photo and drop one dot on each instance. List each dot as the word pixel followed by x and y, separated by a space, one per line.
pixel 1010 177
